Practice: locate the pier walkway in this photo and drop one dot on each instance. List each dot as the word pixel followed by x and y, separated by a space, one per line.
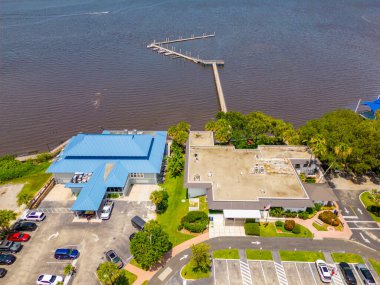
pixel 157 46
pixel 180 39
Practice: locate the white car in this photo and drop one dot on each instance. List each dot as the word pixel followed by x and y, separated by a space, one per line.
pixel 324 272
pixel 46 279
pixel 107 210
pixel 34 216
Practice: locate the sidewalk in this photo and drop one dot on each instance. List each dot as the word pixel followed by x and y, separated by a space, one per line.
pixel 345 234
pixel 143 275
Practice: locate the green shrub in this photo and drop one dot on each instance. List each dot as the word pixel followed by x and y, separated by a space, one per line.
pixel 252 229
pixel 43 157
pixel 113 195
pixel 195 221
pixel 329 218
pixel 289 225
pixel 279 223
pixel 11 168
pixel 374 210
pixel 250 221
pixel 290 214
pixel 276 212
pixel 296 229
pixel 303 215
pixel 180 227
pixel 318 206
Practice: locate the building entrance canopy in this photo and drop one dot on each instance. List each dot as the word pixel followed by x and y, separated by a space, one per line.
pixel 241 214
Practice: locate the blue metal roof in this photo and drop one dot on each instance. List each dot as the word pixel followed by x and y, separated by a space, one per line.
pixel 110 165
pixel 109 145
pixel 92 194
pixel 374 105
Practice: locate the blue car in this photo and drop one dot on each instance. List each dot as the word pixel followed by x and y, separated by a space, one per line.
pixel 66 253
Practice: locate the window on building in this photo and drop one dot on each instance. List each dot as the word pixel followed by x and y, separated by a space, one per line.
pixel 137 175
pixel 115 189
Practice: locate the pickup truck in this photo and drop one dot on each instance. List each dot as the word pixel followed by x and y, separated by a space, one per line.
pixel 107 209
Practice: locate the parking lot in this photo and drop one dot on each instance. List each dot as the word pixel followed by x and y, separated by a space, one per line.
pixel 231 272
pixel 91 238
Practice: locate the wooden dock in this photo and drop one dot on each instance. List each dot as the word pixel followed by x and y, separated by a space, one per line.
pixel 180 39
pixel 157 47
pixel 222 102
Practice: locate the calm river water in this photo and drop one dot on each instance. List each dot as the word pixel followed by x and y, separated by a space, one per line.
pixel 82 65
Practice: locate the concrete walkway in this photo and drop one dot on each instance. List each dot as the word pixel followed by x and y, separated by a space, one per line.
pixel 345 234
pixel 143 275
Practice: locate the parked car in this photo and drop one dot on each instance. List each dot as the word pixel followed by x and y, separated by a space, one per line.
pixel 24 226
pixel 347 273
pixel 365 274
pixel 9 246
pixel 113 257
pixel 323 271
pixel 66 253
pixel 132 236
pixel 107 210
pixel 46 279
pixel 3 272
pixel 19 236
pixel 7 259
pixel 138 223
pixel 34 216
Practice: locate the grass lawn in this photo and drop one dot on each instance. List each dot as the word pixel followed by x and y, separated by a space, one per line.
pixel 270 231
pixel 203 204
pixel 232 253
pixel 322 228
pixel 256 254
pixel 32 185
pixel 365 198
pixel 376 265
pixel 145 282
pixel 347 257
pixel 189 273
pixel 171 219
pixel 129 275
pixel 134 262
pixel 307 256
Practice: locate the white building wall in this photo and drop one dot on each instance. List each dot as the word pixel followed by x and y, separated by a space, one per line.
pixel 195 192
pixel 63 178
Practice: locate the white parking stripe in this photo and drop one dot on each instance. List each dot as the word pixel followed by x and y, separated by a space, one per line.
pixel 315 281
pixel 357 275
pixel 245 273
pixel 299 275
pixel 281 276
pixel 262 269
pixel 228 273
pixel 214 272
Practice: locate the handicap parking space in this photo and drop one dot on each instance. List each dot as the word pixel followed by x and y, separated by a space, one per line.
pixel 270 272
pixel 234 274
pixel 220 272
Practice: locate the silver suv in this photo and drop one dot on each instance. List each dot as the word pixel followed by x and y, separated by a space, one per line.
pixel 10 246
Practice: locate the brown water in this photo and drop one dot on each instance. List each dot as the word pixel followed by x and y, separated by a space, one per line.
pixel 71 66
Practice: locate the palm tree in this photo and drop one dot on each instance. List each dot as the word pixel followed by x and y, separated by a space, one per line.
pixel 318 147
pixel 342 152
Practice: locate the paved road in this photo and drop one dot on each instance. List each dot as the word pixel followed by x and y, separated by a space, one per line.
pixel 175 264
pixel 364 229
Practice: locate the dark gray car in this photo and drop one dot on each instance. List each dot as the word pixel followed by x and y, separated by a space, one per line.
pixel 10 246
pixel 365 274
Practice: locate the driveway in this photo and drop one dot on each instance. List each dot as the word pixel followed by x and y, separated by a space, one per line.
pixel 364 229
pixel 92 240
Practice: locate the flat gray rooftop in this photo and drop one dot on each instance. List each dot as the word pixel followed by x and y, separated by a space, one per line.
pixel 242 175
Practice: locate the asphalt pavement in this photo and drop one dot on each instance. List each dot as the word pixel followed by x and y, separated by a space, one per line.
pixel 274 244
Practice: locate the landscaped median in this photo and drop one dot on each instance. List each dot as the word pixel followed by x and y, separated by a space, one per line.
pixel 346 257
pixel 231 253
pixel 305 256
pixel 369 202
pixel 277 229
pixel 376 265
pixel 257 254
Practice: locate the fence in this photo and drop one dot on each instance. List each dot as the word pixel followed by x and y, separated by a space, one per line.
pixel 42 193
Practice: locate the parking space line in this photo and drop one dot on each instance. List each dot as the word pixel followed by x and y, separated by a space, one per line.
pixel 262 269
pixel 299 275
pixel 214 272
pixel 280 272
pixel 312 273
pixel 357 275
pixel 228 273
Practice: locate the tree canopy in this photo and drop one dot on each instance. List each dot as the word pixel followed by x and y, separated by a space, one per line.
pixel 109 274
pixel 201 257
pixel 148 246
pixel 179 133
pixel 251 130
pixel 344 139
pixel 6 216
pixel 176 161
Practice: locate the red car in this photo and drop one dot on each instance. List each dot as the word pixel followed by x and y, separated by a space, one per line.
pixel 19 237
